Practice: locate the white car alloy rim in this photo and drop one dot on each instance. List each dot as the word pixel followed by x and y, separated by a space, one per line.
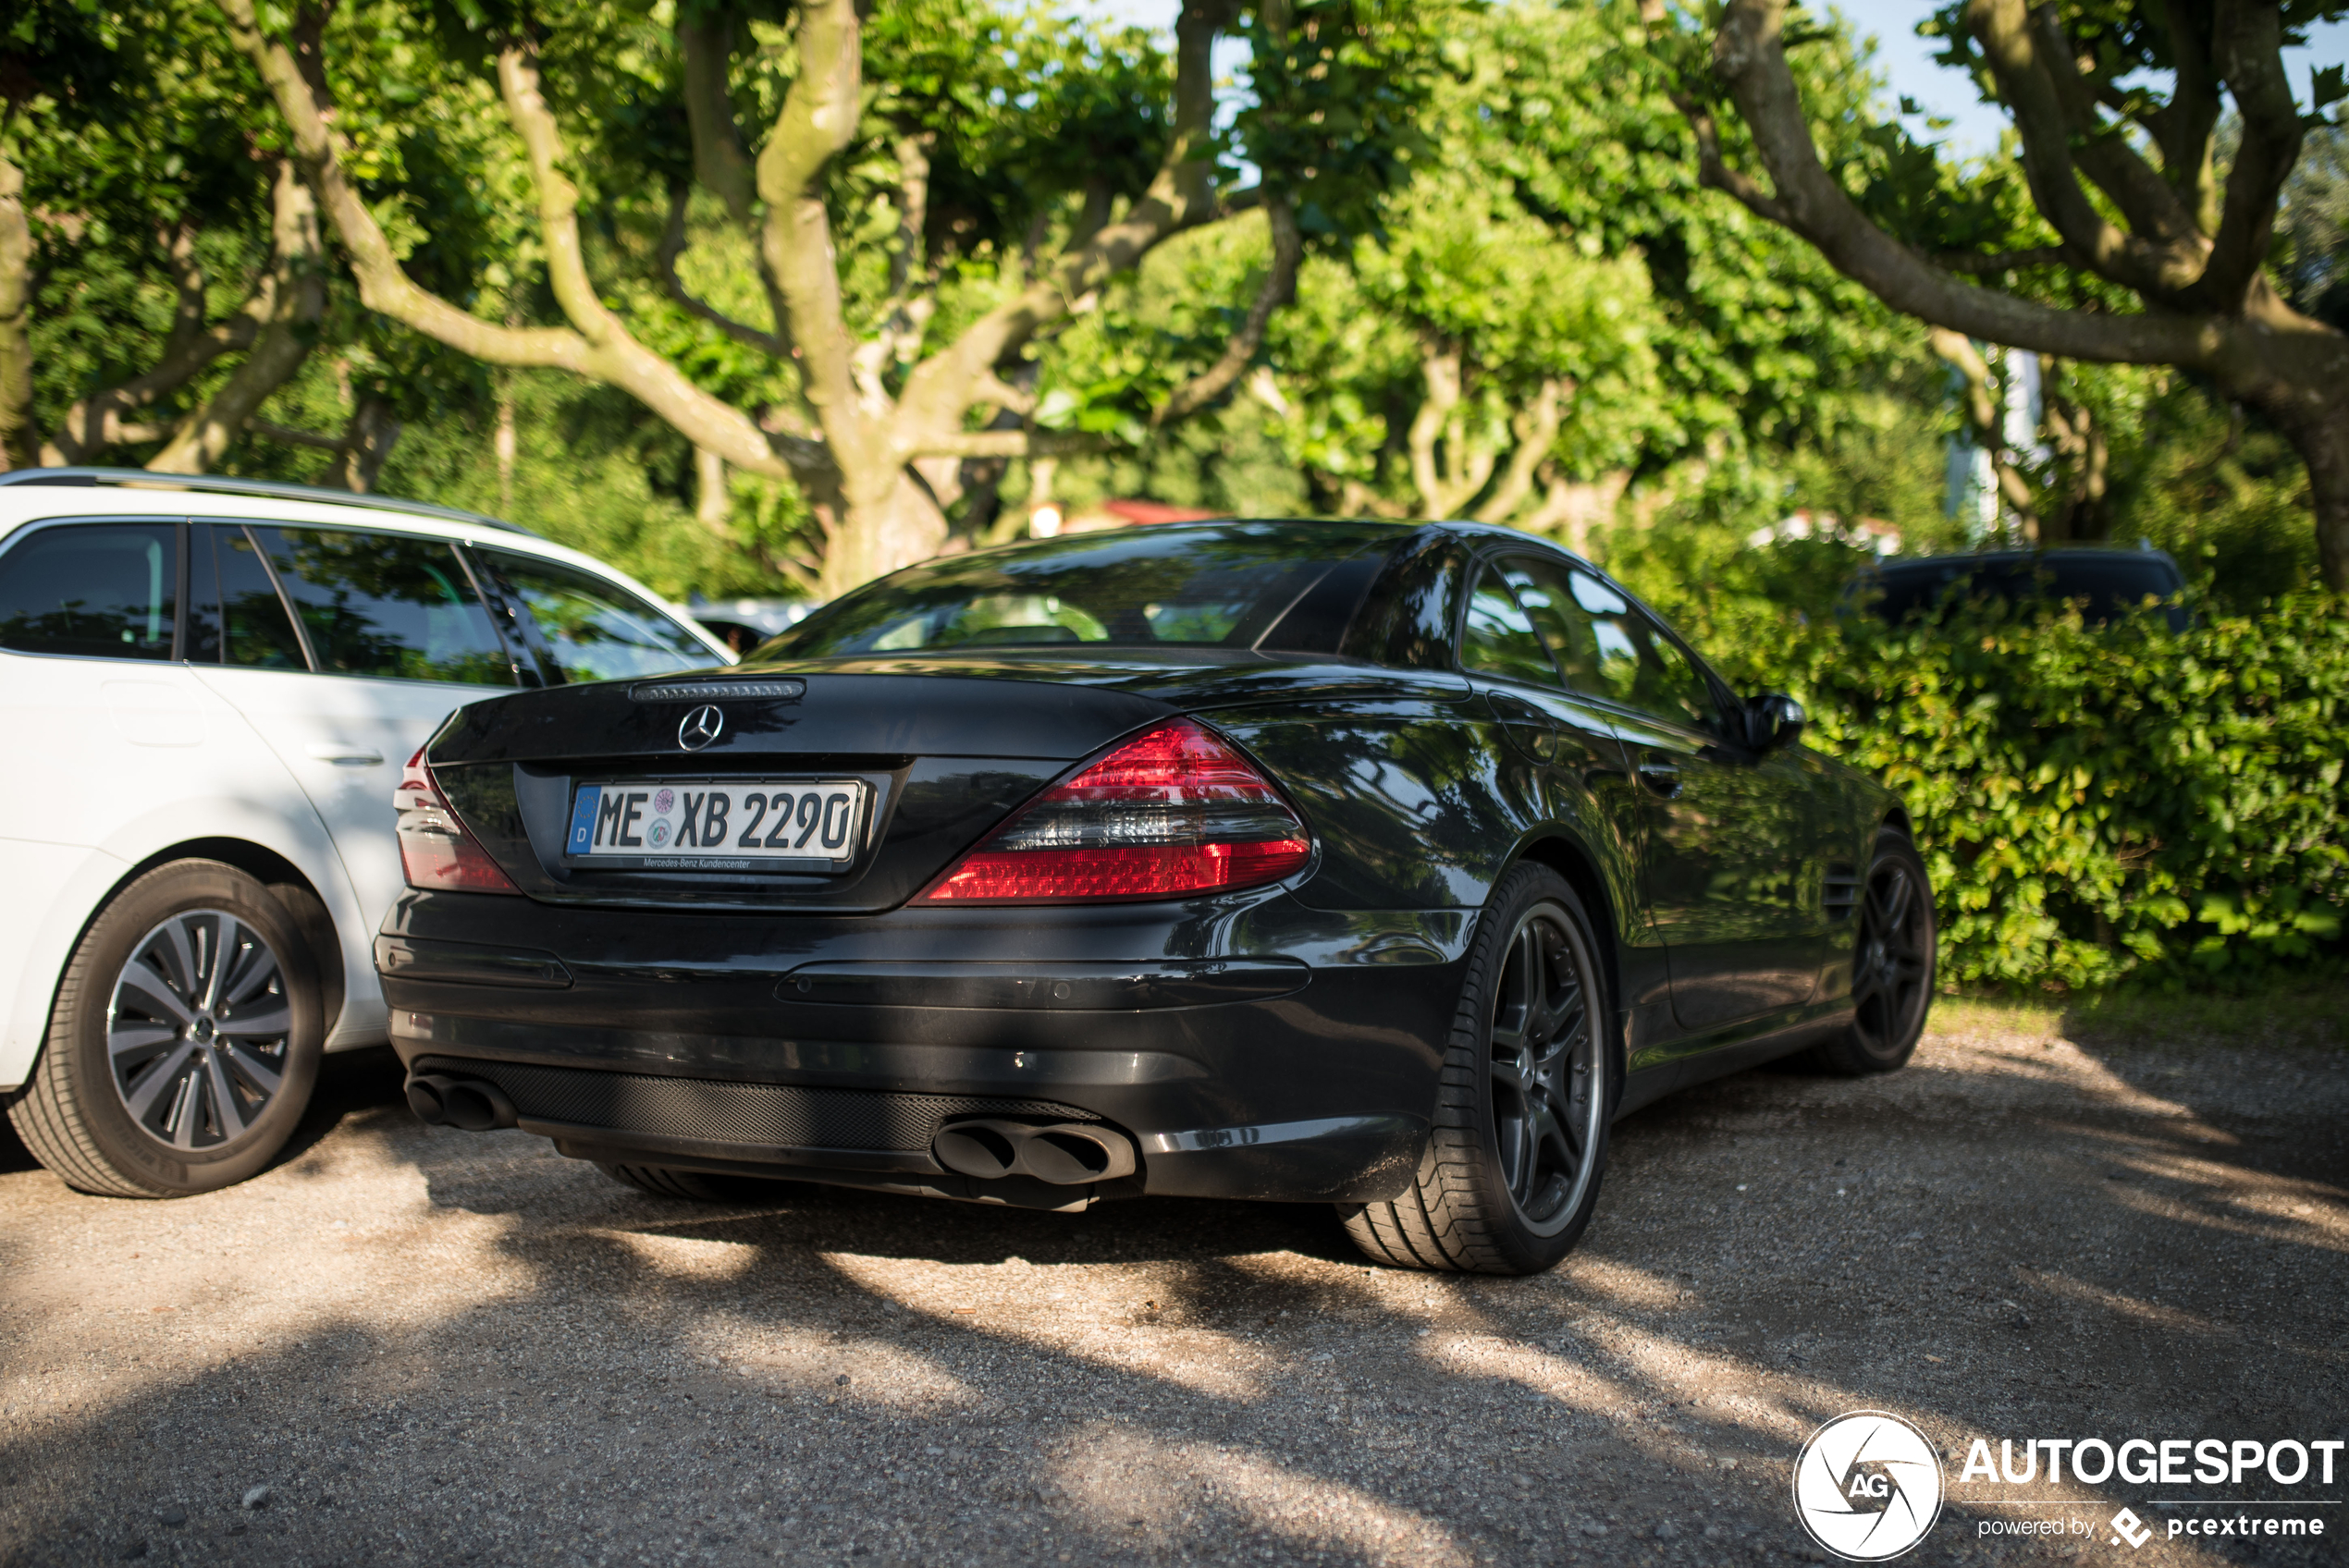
pixel 197 1030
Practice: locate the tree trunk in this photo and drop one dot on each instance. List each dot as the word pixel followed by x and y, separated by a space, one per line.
pixel 1571 506
pixel 713 502
pixel 888 522
pixel 367 440
pixel 2321 434
pixel 17 446
pixel 197 445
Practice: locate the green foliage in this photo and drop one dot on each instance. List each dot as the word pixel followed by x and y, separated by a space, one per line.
pixel 2223 491
pixel 2092 801
pixel 1556 229
pixel 1336 118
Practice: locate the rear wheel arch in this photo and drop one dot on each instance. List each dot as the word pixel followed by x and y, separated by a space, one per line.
pixel 304 905
pixel 1574 863
pixel 1896 817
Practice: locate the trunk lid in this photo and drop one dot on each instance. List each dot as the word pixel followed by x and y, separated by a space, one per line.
pixel 948 746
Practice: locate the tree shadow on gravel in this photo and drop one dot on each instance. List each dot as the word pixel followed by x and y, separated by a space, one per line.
pixel 538 1365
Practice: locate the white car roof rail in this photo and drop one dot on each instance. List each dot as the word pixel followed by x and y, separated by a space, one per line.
pixel 268 488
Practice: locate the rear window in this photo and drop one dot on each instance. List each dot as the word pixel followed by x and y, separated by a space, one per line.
pixel 1219 586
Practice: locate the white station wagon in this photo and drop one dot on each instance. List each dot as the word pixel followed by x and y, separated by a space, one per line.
pixel 211 686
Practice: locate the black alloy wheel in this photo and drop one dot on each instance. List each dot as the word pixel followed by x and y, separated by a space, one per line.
pixel 1544 1070
pixel 1512 1169
pixel 1892 963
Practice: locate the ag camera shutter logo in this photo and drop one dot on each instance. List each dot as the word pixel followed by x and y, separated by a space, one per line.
pixel 1867 1485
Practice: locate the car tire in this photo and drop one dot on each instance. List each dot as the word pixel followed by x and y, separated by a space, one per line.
pixel 1892 967
pixel 1500 1190
pixel 164 1073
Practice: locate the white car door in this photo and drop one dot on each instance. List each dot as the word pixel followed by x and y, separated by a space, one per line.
pixel 122 749
pixel 386 635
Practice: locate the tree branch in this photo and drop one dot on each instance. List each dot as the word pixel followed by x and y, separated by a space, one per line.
pixel 611 356
pixel 2186 128
pixel 2248 52
pixel 672 245
pixel 1536 429
pixel 2034 90
pixel 97 421
pixel 818 121
pixel 2155 209
pixel 1974 264
pixel 366 441
pixel 383 286
pixel 1750 56
pixel 300 299
pixel 1982 412
pixel 706 39
pixel 1014 444
pixel 1713 170
pixel 1180 196
pixel 1447 483
pixel 1278 288
pixel 286 434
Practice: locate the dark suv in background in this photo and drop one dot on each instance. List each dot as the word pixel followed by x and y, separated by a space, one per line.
pixel 2108 582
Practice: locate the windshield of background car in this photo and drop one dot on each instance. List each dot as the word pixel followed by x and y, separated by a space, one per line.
pixel 1218 586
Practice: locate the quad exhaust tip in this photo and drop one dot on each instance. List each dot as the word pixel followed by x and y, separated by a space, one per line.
pixel 1066 1153
pixel 470 1105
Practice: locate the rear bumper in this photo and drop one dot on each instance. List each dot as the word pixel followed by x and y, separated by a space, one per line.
pixel 1251 1048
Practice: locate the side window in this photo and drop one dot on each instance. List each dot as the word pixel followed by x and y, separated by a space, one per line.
pixel 1498 639
pixel 234 614
pixel 594 629
pixel 1607 648
pixel 104 590
pixel 389 605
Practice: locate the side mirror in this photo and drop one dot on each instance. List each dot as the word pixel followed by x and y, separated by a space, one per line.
pixel 1773 720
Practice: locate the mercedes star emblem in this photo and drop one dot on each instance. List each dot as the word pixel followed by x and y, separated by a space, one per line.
pixel 699 727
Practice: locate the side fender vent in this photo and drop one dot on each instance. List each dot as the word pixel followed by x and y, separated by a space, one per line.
pixel 1840 891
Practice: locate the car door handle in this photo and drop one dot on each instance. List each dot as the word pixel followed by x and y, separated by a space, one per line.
pixel 1660 774
pixel 345 755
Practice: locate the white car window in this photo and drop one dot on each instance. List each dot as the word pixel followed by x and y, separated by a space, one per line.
pixel 234 614
pixel 389 606
pixel 594 629
pixel 101 590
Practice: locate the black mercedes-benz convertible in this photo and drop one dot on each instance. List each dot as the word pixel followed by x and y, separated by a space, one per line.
pixel 1374 864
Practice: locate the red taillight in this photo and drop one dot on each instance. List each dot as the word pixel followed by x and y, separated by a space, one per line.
pixel 435 849
pixel 1174 811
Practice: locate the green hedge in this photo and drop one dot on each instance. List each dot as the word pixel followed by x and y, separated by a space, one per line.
pixel 2094 800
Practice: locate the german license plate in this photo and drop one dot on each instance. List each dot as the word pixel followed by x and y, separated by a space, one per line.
pixel 722 824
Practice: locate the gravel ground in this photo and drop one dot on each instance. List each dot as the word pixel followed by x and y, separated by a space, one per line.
pixel 438 1348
